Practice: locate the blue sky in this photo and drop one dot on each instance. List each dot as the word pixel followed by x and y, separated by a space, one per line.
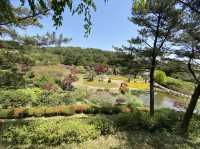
pixel 110 26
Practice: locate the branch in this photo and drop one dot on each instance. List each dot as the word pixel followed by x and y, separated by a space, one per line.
pixel 26 17
pixel 147 44
pixel 190 67
pixel 163 41
pixel 189 6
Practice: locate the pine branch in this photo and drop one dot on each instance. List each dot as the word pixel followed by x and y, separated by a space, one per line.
pixel 189 6
pixel 26 17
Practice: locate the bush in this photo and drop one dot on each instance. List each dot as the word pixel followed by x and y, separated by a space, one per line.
pixel 42 80
pixel 31 97
pixel 4 113
pixel 49 99
pixel 19 97
pixel 76 95
pixel 104 124
pixel 81 69
pixel 163 119
pixel 179 85
pixel 37 112
pixel 18 113
pixel 11 79
pixel 50 132
pixel 160 76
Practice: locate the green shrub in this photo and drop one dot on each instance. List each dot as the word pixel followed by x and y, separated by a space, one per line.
pixel 11 79
pixel 81 69
pixel 40 81
pixel 49 99
pixel 179 85
pixel 19 97
pixel 50 132
pixel 110 110
pixel 77 94
pixel 163 119
pixel 160 76
pixel 4 113
pixel 31 97
pixel 104 124
pixel 37 111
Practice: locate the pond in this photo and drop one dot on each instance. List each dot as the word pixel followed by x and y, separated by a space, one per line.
pixel 163 100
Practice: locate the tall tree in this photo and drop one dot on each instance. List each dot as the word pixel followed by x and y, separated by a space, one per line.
pixel 189 43
pixel 157 26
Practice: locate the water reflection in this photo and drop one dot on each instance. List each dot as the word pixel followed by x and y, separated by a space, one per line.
pixel 164 100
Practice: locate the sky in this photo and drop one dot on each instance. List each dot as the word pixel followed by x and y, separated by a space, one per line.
pixel 110 26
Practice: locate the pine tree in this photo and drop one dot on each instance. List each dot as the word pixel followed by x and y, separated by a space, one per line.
pixel 157 26
pixel 188 42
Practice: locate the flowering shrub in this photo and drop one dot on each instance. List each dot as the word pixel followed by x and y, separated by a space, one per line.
pixel 100 69
pixel 66 84
pixel 138 85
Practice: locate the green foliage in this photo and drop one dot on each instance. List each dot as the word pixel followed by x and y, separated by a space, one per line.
pixel 19 97
pixel 164 119
pixel 77 94
pixel 11 79
pixel 42 80
pixel 60 131
pixel 160 76
pixel 105 125
pixel 179 85
pixel 36 97
pixel 81 69
pixel 85 57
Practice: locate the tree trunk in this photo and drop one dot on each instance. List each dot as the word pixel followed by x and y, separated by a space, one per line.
pixel 190 109
pixel 153 65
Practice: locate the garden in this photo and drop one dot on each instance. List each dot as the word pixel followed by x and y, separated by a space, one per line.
pixel 103 84
pixel 81 107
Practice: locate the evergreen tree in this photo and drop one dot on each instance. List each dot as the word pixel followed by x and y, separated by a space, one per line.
pixel 157 26
pixel 11 18
pixel 188 42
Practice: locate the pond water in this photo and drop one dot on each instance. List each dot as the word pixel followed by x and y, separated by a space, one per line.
pixel 164 100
